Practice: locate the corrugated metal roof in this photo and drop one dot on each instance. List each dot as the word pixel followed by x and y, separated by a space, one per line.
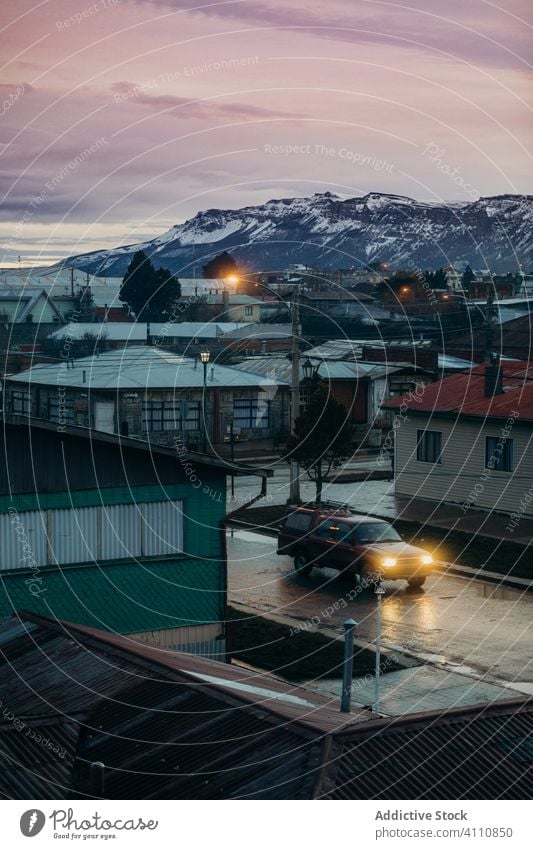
pixel 465 394
pixel 174 726
pixel 483 752
pixel 353 348
pixel 137 331
pixel 139 367
pixel 279 368
pixel 258 332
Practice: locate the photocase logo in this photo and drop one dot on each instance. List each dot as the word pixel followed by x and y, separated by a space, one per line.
pixel 32 822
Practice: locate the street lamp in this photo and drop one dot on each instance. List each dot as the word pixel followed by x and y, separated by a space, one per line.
pixel 308 369
pixel 205 356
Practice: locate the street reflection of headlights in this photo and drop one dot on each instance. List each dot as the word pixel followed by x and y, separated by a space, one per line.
pixel 427 559
pixel 389 561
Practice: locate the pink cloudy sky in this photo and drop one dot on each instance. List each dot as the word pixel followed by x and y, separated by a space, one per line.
pixel 119 119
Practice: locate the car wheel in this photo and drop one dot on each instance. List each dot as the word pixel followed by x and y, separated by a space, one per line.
pixel 368 578
pixel 416 583
pixel 301 564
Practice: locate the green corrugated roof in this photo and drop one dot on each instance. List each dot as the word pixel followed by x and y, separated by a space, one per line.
pixel 125 598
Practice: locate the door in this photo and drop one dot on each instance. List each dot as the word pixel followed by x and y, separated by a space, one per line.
pixel 345 555
pixel 322 541
pixel 104 416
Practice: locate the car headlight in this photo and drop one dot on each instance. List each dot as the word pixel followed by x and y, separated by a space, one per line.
pixel 389 561
pixel 427 559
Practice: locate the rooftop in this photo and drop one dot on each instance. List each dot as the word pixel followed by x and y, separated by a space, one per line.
pixel 279 368
pixel 464 394
pixel 139 367
pixel 137 330
pixel 177 726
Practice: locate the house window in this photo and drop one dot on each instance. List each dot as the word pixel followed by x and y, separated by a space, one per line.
pixel 429 446
pixel 61 410
pixel 251 412
pixel 21 403
pixel 499 454
pixel 248 311
pixel 400 388
pixel 171 415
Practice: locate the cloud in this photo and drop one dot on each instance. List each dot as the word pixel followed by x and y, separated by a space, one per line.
pixel 206 108
pixel 477 33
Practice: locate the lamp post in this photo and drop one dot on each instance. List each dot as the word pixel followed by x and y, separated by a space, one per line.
pixel 205 356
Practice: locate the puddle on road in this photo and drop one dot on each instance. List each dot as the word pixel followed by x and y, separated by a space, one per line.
pixel 495 592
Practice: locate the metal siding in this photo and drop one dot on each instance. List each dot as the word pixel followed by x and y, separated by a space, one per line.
pixel 120 531
pixel 163 528
pixel 74 535
pixel 12 542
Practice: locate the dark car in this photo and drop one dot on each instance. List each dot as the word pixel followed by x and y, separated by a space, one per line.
pixel 367 547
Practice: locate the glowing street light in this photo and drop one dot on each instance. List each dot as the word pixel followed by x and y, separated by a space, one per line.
pixel 205 356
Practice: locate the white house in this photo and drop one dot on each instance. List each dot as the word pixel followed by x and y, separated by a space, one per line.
pixel 468 439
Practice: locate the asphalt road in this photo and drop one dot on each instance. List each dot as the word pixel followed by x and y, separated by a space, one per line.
pixel 467 625
pixel 378 493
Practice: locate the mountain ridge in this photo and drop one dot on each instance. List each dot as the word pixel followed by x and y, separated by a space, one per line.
pixel 328 231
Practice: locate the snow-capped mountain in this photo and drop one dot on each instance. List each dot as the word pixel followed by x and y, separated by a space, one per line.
pixel 327 231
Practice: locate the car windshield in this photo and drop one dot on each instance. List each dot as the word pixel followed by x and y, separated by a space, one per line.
pixel 376 532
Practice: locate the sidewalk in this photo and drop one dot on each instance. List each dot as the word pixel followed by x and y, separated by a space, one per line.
pixel 447 516
pixel 421 688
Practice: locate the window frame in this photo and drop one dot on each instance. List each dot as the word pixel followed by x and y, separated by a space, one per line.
pixel 165 416
pixel 249 409
pixel 23 399
pixel 427 452
pixel 504 460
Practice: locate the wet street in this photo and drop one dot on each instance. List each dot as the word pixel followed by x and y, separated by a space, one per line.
pixel 468 625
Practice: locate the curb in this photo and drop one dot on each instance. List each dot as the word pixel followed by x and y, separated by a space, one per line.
pixel 401 659
pixel 485 575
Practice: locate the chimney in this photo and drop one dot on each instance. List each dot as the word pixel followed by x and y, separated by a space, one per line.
pixel 493 377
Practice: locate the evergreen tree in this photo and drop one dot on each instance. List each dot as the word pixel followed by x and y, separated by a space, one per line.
pixel 439 279
pixel 221 266
pixel 150 293
pixel 321 438
pixel 467 278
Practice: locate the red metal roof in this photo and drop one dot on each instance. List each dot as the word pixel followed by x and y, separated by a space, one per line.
pixel 464 394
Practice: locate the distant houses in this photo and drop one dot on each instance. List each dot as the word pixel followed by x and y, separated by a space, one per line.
pixel 33 306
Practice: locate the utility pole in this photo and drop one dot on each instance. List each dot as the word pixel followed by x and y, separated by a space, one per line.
pixel 71 282
pixel 489 321
pixel 294 470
